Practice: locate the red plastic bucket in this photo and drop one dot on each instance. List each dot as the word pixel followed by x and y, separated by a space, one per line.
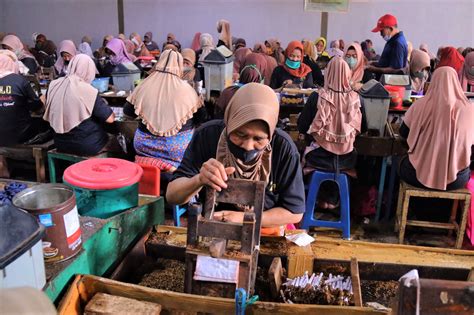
pixel 396 95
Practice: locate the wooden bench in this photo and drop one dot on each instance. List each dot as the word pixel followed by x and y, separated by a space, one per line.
pixel 36 152
pixel 407 191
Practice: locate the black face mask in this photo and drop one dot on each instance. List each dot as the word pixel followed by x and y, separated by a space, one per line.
pixel 242 154
pixel 66 62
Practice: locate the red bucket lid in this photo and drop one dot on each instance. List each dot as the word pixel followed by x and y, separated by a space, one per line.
pixel 102 174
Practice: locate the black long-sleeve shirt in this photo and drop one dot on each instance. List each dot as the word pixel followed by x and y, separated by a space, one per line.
pixel 280 75
pixel 318 77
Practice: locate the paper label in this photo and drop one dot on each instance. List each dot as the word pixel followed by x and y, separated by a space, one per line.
pixel 72 227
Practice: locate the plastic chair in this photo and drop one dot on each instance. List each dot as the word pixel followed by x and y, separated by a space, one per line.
pixel 343 224
pixel 178 211
pixel 150 182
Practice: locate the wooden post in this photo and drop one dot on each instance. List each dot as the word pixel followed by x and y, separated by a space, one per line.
pixel 274 275
pixel 120 14
pixel 356 282
pixel 471 275
pixel 324 24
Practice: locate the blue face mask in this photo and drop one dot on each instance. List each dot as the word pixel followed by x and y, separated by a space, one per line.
pixel 351 61
pixel 386 38
pixel 292 64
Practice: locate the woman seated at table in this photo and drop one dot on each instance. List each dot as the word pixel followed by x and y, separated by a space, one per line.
pixel 419 70
pixel 190 74
pixel 140 47
pixel 117 53
pixel 67 51
pixel 245 145
pixel 76 112
pixel 310 60
pixel 467 73
pixel 440 133
pixel 16 102
pixel 354 56
pixel 332 118
pixel 322 55
pixel 253 69
pixel 14 44
pixel 166 105
pixel 294 73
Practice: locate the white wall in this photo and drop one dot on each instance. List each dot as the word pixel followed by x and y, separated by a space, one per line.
pixel 59 19
pixel 436 22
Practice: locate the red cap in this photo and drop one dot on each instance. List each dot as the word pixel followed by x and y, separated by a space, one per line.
pixel 387 20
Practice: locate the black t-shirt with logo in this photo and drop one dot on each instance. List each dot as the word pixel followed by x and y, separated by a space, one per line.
pixel 17 99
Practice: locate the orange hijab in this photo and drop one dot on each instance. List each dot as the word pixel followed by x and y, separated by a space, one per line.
pixel 303 70
pixel 339 118
pixel 441 131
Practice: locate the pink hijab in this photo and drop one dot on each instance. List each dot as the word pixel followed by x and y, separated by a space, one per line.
pixel 8 63
pixel 130 47
pixel 117 46
pixel 338 119
pixel 65 46
pixel 15 43
pixel 196 44
pixel 358 71
pixel 441 131
pixel 467 72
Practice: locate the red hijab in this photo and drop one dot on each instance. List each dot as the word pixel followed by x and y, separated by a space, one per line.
pixel 303 70
pixel 452 58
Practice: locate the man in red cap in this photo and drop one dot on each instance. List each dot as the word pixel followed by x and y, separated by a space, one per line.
pixel 395 53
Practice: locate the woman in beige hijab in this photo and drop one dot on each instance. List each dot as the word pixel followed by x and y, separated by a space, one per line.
pixel 223 28
pixel 245 145
pixel 75 110
pixel 419 70
pixel 440 133
pixel 166 104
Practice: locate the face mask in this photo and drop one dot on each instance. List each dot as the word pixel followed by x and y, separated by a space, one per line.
pixel 66 62
pixel 39 45
pixel 242 154
pixel 187 69
pixel 351 61
pixel 423 74
pixel 292 64
pixel 471 71
pixel 386 38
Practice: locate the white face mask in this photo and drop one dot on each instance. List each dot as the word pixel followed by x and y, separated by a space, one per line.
pixel 386 38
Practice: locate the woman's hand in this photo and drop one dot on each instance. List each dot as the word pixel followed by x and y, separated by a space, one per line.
pixel 214 174
pixel 229 216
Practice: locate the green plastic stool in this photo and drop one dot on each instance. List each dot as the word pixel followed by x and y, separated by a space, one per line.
pixel 54 155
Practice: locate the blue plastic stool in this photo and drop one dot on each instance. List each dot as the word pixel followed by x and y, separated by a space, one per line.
pixel 344 223
pixel 178 211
